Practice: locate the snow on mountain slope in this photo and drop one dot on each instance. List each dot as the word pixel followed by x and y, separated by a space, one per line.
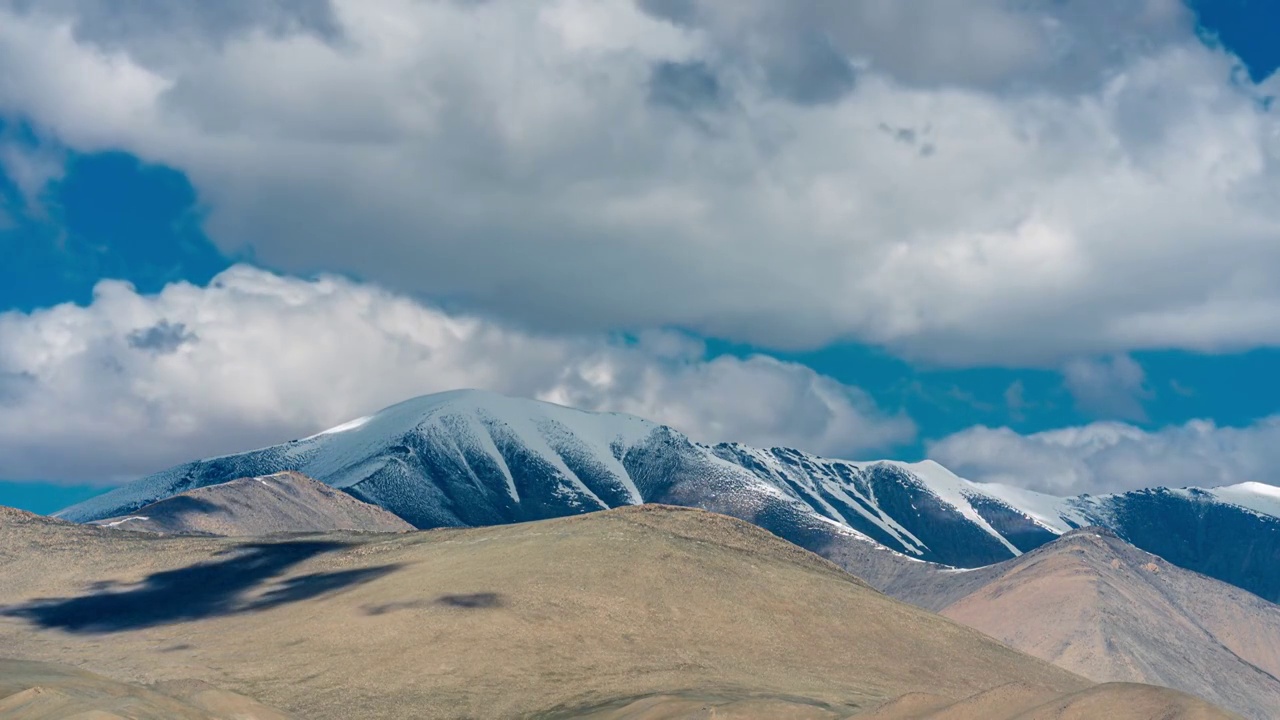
pixel 469 458
pixel 1258 497
pixel 452 438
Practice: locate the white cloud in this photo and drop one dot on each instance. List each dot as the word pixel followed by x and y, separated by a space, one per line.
pixel 30 167
pixel 936 43
pixel 1112 456
pixel 1023 186
pixel 1112 387
pixel 1015 400
pixel 133 383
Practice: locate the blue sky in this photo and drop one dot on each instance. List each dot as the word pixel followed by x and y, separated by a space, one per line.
pixel 81 204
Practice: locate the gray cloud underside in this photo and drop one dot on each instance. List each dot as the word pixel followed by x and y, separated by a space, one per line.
pixel 1064 181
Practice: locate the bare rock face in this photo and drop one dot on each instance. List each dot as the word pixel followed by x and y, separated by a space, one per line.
pixel 286 502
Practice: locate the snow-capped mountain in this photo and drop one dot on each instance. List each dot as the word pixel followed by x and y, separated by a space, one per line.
pixel 469 458
pixel 477 458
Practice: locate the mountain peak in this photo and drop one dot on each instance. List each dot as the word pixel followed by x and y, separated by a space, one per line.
pixel 493 405
pixel 458 458
pixel 1255 496
pixel 1257 488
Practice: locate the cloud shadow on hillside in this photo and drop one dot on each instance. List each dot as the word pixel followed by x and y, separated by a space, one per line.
pixel 204 590
pixel 182 505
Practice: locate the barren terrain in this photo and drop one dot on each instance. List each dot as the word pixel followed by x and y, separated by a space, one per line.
pixel 647 612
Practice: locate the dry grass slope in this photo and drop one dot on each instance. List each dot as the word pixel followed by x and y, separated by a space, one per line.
pixel 46 691
pixel 1125 701
pixel 647 612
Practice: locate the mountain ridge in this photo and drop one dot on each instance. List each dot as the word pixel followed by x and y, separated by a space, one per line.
pixel 1096 605
pixel 470 458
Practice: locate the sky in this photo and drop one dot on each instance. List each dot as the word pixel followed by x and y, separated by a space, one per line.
pixel 1037 241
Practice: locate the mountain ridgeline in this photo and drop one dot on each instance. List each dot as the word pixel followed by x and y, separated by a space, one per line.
pixel 1098 606
pixel 471 458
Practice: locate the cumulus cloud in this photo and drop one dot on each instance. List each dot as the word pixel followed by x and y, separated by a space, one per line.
pixel 1059 180
pixel 986 44
pixel 133 383
pixel 1112 456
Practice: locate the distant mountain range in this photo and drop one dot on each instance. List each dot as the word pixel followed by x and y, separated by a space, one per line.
pixel 472 458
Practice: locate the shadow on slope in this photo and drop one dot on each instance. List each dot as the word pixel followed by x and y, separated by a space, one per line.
pixel 180 506
pixel 166 515
pixel 196 592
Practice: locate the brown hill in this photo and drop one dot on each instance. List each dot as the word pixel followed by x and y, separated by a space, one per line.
pixel 286 502
pixel 647 612
pixel 1096 605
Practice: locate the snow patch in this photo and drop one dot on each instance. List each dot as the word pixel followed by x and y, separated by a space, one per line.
pixel 1259 497
pixel 950 488
pixel 1048 511
pixel 122 521
pixel 344 427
